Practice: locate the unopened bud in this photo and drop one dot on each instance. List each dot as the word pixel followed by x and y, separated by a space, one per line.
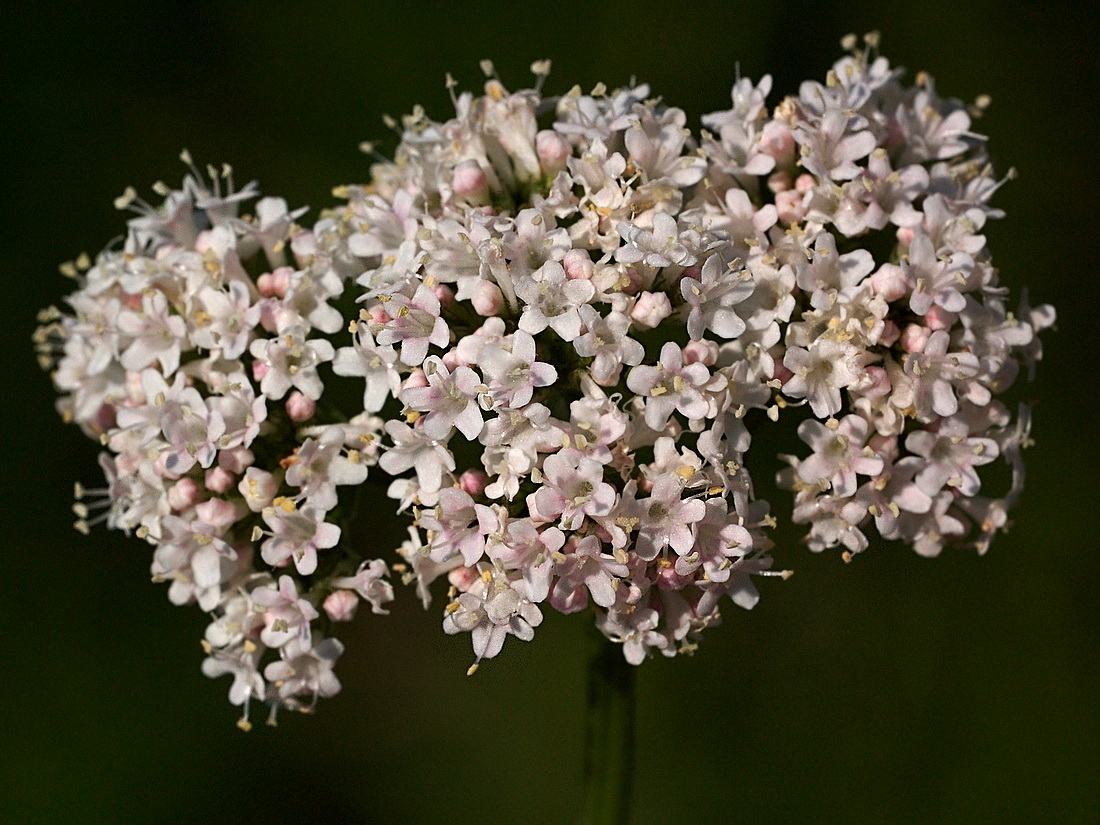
pixel 218 480
pixel 469 182
pixel 300 408
pixel 487 299
pixel 473 482
pixel 184 494
pixel 650 309
pixel 578 265
pixel 340 605
pixel 553 150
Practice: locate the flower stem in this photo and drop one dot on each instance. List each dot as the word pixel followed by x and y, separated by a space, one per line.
pixel 609 737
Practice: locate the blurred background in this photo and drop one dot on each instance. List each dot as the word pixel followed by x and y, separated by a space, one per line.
pixel 894 689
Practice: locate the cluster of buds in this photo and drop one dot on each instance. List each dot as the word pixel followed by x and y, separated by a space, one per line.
pixel 570 314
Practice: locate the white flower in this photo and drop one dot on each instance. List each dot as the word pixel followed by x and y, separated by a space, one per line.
pixel 291 361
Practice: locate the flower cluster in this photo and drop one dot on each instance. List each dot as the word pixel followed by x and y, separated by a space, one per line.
pixel 569 315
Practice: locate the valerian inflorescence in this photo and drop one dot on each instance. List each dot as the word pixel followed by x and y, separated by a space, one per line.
pixel 602 305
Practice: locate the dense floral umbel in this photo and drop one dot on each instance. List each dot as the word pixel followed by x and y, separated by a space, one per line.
pixel 570 314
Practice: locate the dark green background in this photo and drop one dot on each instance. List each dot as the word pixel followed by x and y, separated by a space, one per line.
pixel 895 689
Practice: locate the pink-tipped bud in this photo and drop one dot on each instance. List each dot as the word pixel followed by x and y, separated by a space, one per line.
pixel 782 374
pixel 378 315
pixel 694 271
pixel 204 241
pixel 469 182
pixel 669 579
pixel 340 605
pixel 914 338
pixel 217 512
pixel 473 482
pixel 650 309
pixel 701 352
pixel 776 140
pixel 300 408
pixel 132 302
pixel 487 299
pixel 804 183
pixel 445 295
pixel 258 488
pixel 788 205
pixel 269 316
pixel 259 370
pixel 874 383
pixel 451 360
pixel 463 577
pixel 105 417
pixel 135 391
pixel 280 281
pixel 266 285
pixel 219 480
pixel 889 282
pixel 779 181
pixel 236 460
pixel 578 265
pixel 905 235
pixel 184 494
pixel 416 378
pixel 553 150
pixel 890 334
pixel 938 318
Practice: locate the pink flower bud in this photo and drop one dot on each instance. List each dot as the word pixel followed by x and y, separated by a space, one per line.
pixel 259 370
pixel 217 512
pixel 340 605
pixel 905 235
pixel 669 579
pixel 776 140
pixel 914 338
pixel 890 334
pixel 938 318
pixel 219 480
pixel 280 280
pixel 451 360
pixel 204 241
pixel 701 352
pixel 236 460
pixel 469 182
pixel 874 383
pixel 473 482
pixel 378 315
pixel 553 150
pixel 782 373
pixel 105 417
pixel 133 302
pixel 184 494
pixel 889 282
pixel 487 299
pixel 269 315
pixel 650 309
pixel 416 378
pixel 789 206
pixel 578 265
pixel 804 183
pixel 266 284
pixel 258 488
pixel 445 294
pixel 300 408
pixel 463 577
pixel 779 181
pixel 134 389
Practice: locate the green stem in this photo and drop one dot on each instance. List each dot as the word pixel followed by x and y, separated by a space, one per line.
pixel 609 737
